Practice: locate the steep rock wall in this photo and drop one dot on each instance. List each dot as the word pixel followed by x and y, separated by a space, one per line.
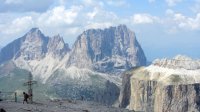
pixel 141 93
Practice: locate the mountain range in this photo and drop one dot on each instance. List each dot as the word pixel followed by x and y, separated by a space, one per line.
pixel 90 69
pixel 103 65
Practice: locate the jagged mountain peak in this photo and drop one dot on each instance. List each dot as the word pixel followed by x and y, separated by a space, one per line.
pixel 34 45
pixel 35 36
pixel 122 26
pixel 57 38
pixel 57 46
pixel 35 31
pixel 113 49
pixel 182 57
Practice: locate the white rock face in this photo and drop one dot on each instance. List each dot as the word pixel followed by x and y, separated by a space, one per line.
pixel 33 45
pixel 179 61
pixel 184 67
pixel 42 69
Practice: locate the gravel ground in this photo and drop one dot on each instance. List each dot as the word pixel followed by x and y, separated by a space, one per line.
pixel 58 106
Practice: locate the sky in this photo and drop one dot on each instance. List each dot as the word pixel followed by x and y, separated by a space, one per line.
pixel 164 28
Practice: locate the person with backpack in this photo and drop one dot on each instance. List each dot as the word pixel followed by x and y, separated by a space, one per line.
pixel 26 96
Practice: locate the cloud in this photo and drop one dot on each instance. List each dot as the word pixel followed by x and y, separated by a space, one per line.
pixel 183 22
pixel 88 2
pixel 68 22
pixel 99 18
pixel 188 22
pixel 13 1
pixel 92 3
pixel 54 21
pixel 173 2
pixel 172 22
pixel 99 14
pixel 196 7
pixel 15 28
pixel 144 18
pixel 117 3
pixel 59 16
pixel 151 1
pixel 25 5
pixel 169 12
pixel 92 14
pixel 17 25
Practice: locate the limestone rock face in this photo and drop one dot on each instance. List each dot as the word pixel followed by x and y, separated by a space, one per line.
pixel 150 96
pixel 125 92
pixel 57 47
pixel 162 88
pixel 33 46
pixel 111 50
pixel 36 52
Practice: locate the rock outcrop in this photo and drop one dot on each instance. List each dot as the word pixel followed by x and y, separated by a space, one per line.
pixel 112 50
pixel 164 86
pixel 34 45
pixel 57 47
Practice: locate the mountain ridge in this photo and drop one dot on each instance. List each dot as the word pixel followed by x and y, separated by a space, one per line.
pixel 91 68
pixel 113 49
pixel 34 41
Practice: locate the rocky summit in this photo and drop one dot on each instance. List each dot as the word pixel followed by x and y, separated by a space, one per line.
pixel 167 85
pixel 112 50
pixel 33 46
pixel 89 70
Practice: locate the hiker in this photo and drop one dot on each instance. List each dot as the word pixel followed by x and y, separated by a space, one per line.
pixel 26 96
pixel 2 110
pixel 0 96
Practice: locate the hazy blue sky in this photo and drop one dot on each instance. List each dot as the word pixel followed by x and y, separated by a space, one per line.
pixel 164 28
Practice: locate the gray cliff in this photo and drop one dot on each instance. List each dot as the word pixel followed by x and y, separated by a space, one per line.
pixel 112 50
pixel 164 86
pixel 34 45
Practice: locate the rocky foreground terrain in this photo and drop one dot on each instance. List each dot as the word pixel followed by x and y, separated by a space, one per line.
pixel 59 106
